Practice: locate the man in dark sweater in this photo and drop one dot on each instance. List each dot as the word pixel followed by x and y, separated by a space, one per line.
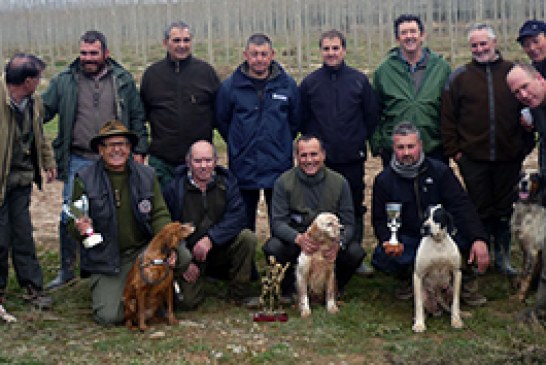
pixel 299 195
pixel 340 107
pixel 482 133
pixel 178 95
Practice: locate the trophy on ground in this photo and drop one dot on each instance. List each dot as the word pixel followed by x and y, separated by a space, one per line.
pixel 393 215
pixel 80 209
pixel 270 299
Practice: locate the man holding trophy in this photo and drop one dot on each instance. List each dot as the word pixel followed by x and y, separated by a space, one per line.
pixel 401 194
pixel 117 207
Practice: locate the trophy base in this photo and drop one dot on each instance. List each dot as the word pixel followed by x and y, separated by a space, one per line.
pixel 270 317
pixel 92 240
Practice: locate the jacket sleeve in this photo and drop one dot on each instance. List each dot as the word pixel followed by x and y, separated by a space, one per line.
pixel 160 214
pixel 170 197
pixel 380 195
pixel 280 214
pixel 295 109
pixel 223 109
pixel 449 117
pixel 304 102
pixel 50 99
pixel 346 213
pixel 458 204
pixel 233 220
pixel 370 107
pixel 137 118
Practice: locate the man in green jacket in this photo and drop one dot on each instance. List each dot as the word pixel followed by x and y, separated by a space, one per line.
pixel 409 84
pixel 91 91
pixel 24 152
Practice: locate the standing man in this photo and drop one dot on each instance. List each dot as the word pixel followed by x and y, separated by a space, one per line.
pixel 418 182
pixel 127 208
pixel 207 195
pixel 409 85
pixel 300 194
pixel 91 91
pixel 178 95
pixel 532 38
pixel 258 115
pixel 481 132
pixel 24 152
pixel 340 107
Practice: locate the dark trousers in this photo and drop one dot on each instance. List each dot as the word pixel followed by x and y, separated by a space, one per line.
pixel 347 262
pixel 16 234
pixel 251 197
pixel 354 174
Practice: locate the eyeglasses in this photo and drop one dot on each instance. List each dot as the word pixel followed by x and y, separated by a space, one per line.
pixel 113 145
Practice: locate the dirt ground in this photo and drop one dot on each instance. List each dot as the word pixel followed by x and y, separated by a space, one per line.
pixel 46 207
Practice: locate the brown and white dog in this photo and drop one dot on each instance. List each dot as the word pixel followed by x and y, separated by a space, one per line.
pixel 437 275
pixel 314 274
pixel 527 226
pixel 149 284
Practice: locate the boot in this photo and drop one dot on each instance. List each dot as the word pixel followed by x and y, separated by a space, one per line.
pixel 502 247
pixel 68 259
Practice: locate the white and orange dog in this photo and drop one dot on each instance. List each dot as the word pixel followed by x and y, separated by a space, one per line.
pixel 314 274
pixel 528 229
pixel 437 275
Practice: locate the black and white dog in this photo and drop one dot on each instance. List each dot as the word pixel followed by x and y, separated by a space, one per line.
pixel 437 276
pixel 527 227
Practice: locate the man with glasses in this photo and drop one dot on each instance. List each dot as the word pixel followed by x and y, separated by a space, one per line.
pixel 92 90
pixel 258 115
pixel 178 95
pixel 24 152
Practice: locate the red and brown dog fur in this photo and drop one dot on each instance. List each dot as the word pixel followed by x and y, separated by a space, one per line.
pixel 149 284
pixel 315 275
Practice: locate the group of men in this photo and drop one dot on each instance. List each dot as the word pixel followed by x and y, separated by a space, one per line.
pixel 416 115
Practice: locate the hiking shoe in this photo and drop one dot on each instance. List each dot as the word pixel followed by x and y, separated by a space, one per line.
pixel 473 299
pixel 532 317
pixel 507 270
pixel 364 270
pixel 59 282
pixel 252 303
pixel 37 298
pixel 288 299
pixel 404 291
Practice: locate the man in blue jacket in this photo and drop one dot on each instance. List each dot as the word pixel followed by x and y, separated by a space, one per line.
pixel 207 195
pixel 340 107
pixel 258 115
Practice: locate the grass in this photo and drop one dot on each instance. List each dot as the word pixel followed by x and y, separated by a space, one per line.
pixel 371 328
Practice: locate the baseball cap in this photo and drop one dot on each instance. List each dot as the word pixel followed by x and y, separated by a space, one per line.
pixel 531 28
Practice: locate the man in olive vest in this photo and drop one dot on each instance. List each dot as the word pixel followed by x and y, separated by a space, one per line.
pixel 299 195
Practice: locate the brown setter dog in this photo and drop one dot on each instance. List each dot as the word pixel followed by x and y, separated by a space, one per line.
pixel 149 284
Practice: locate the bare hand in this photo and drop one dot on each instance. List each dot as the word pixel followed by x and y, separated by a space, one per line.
pixel 84 225
pixel 479 254
pixel 393 250
pixel 137 157
pixel 191 274
pixel 306 244
pixel 202 248
pixel 171 260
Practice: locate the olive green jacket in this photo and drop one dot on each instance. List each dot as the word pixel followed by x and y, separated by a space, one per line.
pixel 43 156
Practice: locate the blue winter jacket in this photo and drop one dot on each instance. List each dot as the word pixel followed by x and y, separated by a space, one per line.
pixel 258 127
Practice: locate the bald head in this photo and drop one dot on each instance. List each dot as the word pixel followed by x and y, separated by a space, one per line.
pixel 201 160
pixel 527 85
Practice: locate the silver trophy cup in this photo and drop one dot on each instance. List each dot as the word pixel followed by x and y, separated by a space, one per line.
pixel 393 215
pixel 78 209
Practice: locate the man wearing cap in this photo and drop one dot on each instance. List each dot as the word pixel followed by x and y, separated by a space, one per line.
pixel 126 207
pixel 532 38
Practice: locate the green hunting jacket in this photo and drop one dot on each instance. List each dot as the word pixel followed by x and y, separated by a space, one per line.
pixel 42 156
pixel 61 97
pixel 400 102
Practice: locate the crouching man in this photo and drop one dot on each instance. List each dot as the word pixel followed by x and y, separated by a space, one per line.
pixel 207 195
pixel 127 208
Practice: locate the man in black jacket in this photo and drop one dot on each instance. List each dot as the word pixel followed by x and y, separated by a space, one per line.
pixel 207 195
pixel 340 107
pixel 178 95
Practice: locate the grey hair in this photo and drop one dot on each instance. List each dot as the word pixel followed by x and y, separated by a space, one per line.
pixel 189 153
pixel 179 24
pixel 259 39
pixel 482 26
pixel 405 128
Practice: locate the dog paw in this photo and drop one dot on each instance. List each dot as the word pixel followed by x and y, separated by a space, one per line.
pixel 332 308
pixel 419 327
pixel 305 312
pixel 457 323
pixel 172 321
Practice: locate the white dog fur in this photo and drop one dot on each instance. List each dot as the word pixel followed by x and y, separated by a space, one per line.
pixel 437 265
pixel 314 274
